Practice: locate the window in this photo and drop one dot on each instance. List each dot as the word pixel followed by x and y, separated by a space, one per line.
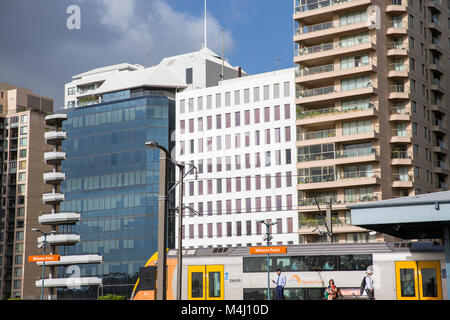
pixel 189 76
pixel 18 259
pixel 256 94
pixel 24 130
pixel 237 97
pixel 286 89
pixel 23 165
pixel 200 103
pixel 23 142
pixel 70 91
pixel 227 99
pixel 218 100
pixel 19 235
pixel 247 96
pixel 22 153
pixel 276 91
pixel 209 102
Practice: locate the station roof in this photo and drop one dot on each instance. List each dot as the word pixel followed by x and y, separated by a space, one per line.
pixel 418 217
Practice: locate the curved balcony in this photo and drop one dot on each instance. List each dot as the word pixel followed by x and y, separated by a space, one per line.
pixel 53 198
pixel 54 177
pixel 55 137
pixel 71 260
pixel 69 282
pixel 65 218
pixel 61 239
pixel 54 158
pixel 55 119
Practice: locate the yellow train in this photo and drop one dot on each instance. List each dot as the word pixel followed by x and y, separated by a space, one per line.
pixel 402 271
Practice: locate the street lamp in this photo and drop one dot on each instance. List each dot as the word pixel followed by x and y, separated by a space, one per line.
pixel 162 220
pixel 161 279
pixel 268 237
pixel 44 244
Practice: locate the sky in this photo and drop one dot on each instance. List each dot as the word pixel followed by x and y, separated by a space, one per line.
pixel 39 52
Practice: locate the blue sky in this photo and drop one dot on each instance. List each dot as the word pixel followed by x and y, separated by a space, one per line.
pixel 38 51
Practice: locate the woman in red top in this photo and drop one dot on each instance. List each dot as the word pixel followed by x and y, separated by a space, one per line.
pixel 332 290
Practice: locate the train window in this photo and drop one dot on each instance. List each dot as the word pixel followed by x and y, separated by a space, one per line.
pixel 214 284
pixel 354 262
pixel 407 283
pixel 282 263
pixel 298 264
pixel 197 285
pixel 319 263
pixel 256 264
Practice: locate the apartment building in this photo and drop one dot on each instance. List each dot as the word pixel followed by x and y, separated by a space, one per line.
pixel 241 137
pixel 372 105
pixel 22 129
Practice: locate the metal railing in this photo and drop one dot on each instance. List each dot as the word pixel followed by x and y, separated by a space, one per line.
pixel 352 153
pixel 317 5
pixel 316 92
pixel 398 88
pixel 397 46
pixel 321 134
pixel 315 70
pixel 400 110
pixel 397 24
pixel 396 154
pixel 398 67
pixel 333 110
pixel 315 27
pixel 402 177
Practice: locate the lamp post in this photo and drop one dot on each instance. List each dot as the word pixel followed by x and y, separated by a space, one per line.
pixel 44 244
pixel 161 291
pixel 268 237
pixel 162 218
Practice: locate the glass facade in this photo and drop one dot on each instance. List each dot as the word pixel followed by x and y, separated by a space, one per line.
pixel 112 179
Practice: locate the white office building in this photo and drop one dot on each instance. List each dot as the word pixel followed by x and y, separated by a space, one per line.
pixel 194 70
pixel 241 136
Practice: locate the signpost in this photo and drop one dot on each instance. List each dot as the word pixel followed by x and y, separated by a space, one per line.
pixel 268 250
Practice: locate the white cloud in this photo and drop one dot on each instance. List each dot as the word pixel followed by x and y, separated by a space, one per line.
pixel 162 30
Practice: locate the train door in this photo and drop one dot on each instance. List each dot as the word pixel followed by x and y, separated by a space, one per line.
pixel 430 287
pixel 418 280
pixel 206 282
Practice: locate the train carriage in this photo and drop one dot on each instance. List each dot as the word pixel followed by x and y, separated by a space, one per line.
pixel 402 271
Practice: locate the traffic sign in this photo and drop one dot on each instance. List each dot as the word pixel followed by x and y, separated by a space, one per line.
pixel 48 258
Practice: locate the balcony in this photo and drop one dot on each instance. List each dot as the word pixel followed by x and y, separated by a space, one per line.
pixel 397 28
pixel 400 180
pixel 328 28
pixel 61 239
pixel 401 136
pixel 308 226
pixel 55 119
pixel 332 93
pixel 345 179
pixel 435 45
pixel 441 167
pixel 338 202
pixel 436 65
pixel 441 186
pixel 54 158
pixel 330 71
pixel 398 92
pixel 310 11
pixel 55 137
pixel 436 85
pixel 334 49
pixel 338 158
pixel 59 219
pixel 52 198
pixel 396 6
pixel 400 114
pixel 398 70
pixel 74 260
pixel 69 282
pixel 397 49
pixel 54 177
pixel 401 158
pixel 435 4
pixel 333 136
pixel 439 126
pixel 440 147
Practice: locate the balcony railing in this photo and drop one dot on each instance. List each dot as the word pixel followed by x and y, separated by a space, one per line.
pixel 401 133
pixel 318 5
pixel 398 88
pixel 311 222
pixel 333 45
pixel 316 92
pixel 396 46
pixel 401 155
pixel 317 135
pixel 343 176
pixel 332 110
pixel 307 202
pixel 402 177
pixel 436 82
pixel 397 67
pixel 397 24
pixel 315 70
pixel 441 164
pixel 352 153
pixel 400 110
pixel 315 27
pixel 442 185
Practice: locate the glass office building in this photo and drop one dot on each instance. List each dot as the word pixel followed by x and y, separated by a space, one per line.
pixel 112 179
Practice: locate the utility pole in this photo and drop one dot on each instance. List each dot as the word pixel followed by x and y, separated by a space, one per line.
pixel 329 221
pixel 268 237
